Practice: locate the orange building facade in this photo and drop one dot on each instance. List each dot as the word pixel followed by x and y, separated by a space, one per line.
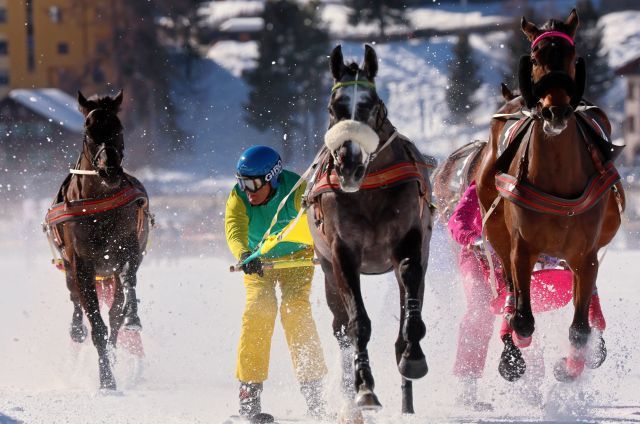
pixel 65 44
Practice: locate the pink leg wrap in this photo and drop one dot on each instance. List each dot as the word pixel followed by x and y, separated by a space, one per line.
pixel 508 311
pixel 575 362
pixel 596 319
pixel 521 342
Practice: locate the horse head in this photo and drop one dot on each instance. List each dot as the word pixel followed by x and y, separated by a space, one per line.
pixel 103 144
pixel 552 77
pixel 356 117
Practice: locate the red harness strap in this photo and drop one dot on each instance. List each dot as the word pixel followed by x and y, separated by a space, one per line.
pixel 530 197
pixel 395 174
pixel 66 211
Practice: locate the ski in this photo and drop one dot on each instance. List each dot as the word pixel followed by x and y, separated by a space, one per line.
pixel 261 418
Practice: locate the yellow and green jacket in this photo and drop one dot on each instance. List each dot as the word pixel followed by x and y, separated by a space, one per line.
pixel 245 224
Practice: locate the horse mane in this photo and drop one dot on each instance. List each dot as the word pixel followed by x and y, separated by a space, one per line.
pixel 100 102
pixel 353 68
pixel 555 25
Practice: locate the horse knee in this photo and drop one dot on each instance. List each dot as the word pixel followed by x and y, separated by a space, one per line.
pixel 410 271
pixel 360 330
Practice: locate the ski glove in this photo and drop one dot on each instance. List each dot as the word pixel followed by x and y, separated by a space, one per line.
pixel 252 267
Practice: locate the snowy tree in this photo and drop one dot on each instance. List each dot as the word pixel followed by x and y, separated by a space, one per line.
pixel 144 70
pixel 517 46
pixel 589 46
pixel 463 79
pixel 289 85
pixel 382 12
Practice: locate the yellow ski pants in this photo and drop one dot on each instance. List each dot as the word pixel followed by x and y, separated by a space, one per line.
pixel 258 322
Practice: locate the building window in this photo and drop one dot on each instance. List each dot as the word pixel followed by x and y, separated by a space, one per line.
pixel 4 78
pixel 63 48
pixel 630 88
pixel 55 13
pixel 4 47
pixel 3 15
pixel 631 125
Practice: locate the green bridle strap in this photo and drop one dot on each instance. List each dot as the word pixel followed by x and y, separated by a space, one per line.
pixel 355 82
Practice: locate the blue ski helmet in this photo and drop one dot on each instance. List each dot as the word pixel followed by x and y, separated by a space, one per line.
pixel 260 161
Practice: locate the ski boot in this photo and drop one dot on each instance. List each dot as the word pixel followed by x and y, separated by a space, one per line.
pixel 250 407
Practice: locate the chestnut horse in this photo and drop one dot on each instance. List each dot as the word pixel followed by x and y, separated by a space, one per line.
pixel 371 215
pixel 99 222
pixel 553 190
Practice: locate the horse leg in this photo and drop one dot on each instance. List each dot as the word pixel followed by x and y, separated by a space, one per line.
pixel 78 331
pixel 129 281
pixel 339 326
pixel 346 270
pixel 85 275
pixel 512 365
pixel 585 272
pixel 116 308
pixel 412 363
pixel 522 262
pixel 596 349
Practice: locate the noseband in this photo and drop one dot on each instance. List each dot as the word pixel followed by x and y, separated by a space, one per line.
pixel 361 133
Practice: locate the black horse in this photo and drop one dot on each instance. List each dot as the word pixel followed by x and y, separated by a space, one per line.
pixel 99 222
pixel 371 214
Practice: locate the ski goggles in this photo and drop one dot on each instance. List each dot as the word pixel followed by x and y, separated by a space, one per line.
pixel 251 184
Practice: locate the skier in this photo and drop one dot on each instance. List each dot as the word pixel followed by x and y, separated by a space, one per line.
pixel 476 326
pixel 262 183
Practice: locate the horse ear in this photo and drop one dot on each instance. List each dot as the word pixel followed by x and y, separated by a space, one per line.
pixel 525 82
pixel 507 94
pixel 572 23
pixel 530 29
pixel 370 62
pixel 117 101
pixel 580 81
pixel 337 63
pixel 83 103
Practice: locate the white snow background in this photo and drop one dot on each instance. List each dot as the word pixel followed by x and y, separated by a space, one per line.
pixel 191 305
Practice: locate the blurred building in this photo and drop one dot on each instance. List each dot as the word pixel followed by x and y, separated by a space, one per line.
pixel 39 128
pixel 631 72
pixel 57 43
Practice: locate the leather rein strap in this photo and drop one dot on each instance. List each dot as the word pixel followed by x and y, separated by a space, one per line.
pixel 518 191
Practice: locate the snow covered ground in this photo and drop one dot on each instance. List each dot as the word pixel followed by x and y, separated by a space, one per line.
pixel 191 308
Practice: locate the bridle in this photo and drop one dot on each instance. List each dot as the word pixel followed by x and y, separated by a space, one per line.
pixel 93 161
pixel 531 92
pixel 380 118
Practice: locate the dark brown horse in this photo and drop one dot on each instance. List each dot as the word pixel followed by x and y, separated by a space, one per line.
pixel 99 222
pixel 553 190
pixel 371 215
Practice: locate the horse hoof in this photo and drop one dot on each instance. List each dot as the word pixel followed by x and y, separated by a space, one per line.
pixel 108 385
pixel 412 369
pixel 566 372
pixel 132 323
pixel 78 333
pixel 367 400
pixel 596 354
pixel 512 365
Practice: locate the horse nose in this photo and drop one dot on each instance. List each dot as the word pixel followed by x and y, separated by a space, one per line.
pixel 556 113
pixel 359 172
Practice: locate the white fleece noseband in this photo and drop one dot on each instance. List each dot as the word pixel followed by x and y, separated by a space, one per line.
pixel 353 130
